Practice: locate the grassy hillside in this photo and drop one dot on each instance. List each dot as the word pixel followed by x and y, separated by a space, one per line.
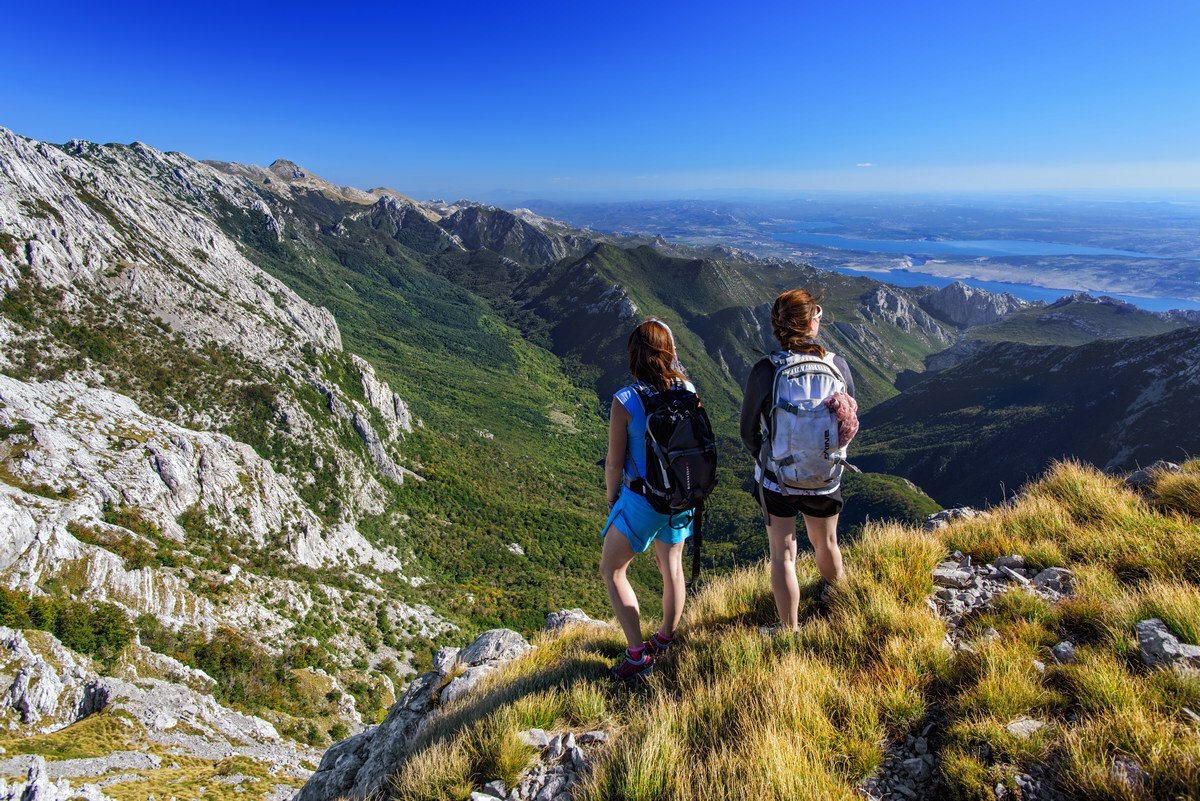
pixel 508 443
pixel 733 714
pixel 971 433
pixel 1072 321
pixel 481 345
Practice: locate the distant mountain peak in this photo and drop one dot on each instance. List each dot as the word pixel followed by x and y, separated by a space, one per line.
pixel 288 170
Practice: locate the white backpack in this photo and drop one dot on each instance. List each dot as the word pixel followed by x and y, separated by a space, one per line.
pixel 800 440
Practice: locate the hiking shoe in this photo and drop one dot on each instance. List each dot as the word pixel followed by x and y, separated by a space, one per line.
pixel 657 644
pixel 629 669
pixel 826 593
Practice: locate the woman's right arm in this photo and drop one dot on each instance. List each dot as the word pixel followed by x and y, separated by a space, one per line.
pixel 618 441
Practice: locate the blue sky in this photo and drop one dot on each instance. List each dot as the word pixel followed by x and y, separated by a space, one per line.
pixel 630 99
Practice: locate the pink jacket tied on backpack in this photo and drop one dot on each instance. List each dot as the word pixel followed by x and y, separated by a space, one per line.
pixel 845 409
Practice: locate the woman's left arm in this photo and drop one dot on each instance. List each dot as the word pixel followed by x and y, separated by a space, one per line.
pixel 618 441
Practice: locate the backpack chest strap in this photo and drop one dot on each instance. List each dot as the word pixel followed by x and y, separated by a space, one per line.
pixel 798 408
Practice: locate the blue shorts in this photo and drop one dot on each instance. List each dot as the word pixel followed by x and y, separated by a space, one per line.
pixel 636 519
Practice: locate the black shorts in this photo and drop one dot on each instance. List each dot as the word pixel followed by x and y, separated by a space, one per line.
pixel 792 505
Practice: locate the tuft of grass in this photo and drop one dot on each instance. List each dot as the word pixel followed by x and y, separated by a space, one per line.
pixel 1178 492
pixel 1165 749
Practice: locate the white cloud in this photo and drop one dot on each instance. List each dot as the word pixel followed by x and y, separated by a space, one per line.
pixel 865 164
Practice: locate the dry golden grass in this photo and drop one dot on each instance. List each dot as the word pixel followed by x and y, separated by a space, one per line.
pixel 734 714
pixel 182 777
pixel 94 736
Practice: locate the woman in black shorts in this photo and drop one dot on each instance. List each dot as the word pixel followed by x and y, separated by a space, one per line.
pixel 796 323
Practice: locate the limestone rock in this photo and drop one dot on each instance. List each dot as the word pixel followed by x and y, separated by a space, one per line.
pixel 149 214
pixel 965 306
pixel 567 617
pixel 357 767
pixel 1058 580
pixel 1145 478
pixel 1064 652
pixel 464 684
pixel 1160 648
pixel 535 738
pixel 444 660
pixel 1012 562
pixel 895 308
pixel 939 519
pixel 1025 728
pixel 949 575
pixel 44 684
pixel 494 647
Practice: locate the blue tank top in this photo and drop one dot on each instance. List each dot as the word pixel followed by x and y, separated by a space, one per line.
pixel 635 450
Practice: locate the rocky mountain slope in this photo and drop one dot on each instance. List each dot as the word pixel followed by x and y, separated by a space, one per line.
pixel 184 443
pixel 1076 320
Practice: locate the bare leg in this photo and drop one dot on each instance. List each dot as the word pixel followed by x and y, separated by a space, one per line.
pixel 614 560
pixel 822 533
pixel 670 564
pixel 782 535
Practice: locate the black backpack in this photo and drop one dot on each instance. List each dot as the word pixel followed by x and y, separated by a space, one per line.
pixel 681 456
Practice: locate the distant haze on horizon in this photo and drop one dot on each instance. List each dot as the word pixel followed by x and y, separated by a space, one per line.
pixel 629 102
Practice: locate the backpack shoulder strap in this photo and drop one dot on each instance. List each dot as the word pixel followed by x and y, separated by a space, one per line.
pixel 829 359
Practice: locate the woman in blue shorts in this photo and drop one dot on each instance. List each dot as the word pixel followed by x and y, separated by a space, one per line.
pixel 632 522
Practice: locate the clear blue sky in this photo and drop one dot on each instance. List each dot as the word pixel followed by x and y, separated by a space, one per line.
pixel 629 99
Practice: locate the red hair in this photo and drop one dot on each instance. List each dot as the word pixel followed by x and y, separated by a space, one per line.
pixel 652 358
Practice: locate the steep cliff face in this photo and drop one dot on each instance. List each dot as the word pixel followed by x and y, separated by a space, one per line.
pixel 518 235
pixel 134 225
pixel 890 306
pixel 965 306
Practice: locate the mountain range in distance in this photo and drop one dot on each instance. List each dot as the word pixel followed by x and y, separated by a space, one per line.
pixel 1038 248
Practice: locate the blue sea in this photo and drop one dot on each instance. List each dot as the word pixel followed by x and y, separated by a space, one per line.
pixel 958 247
pixel 979 248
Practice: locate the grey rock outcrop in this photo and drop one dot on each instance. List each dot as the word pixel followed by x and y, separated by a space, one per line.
pixel 943 518
pixel 1145 478
pixel 357 767
pixel 98 450
pixel 38 786
pixel 520 235
pixel 899 310
pixel 1160 648
pixel 613 300
pixel 1056 580
pixel 569 617
pixel 489 651
pixel 45 685
pixel 965 306
pixel 128 221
